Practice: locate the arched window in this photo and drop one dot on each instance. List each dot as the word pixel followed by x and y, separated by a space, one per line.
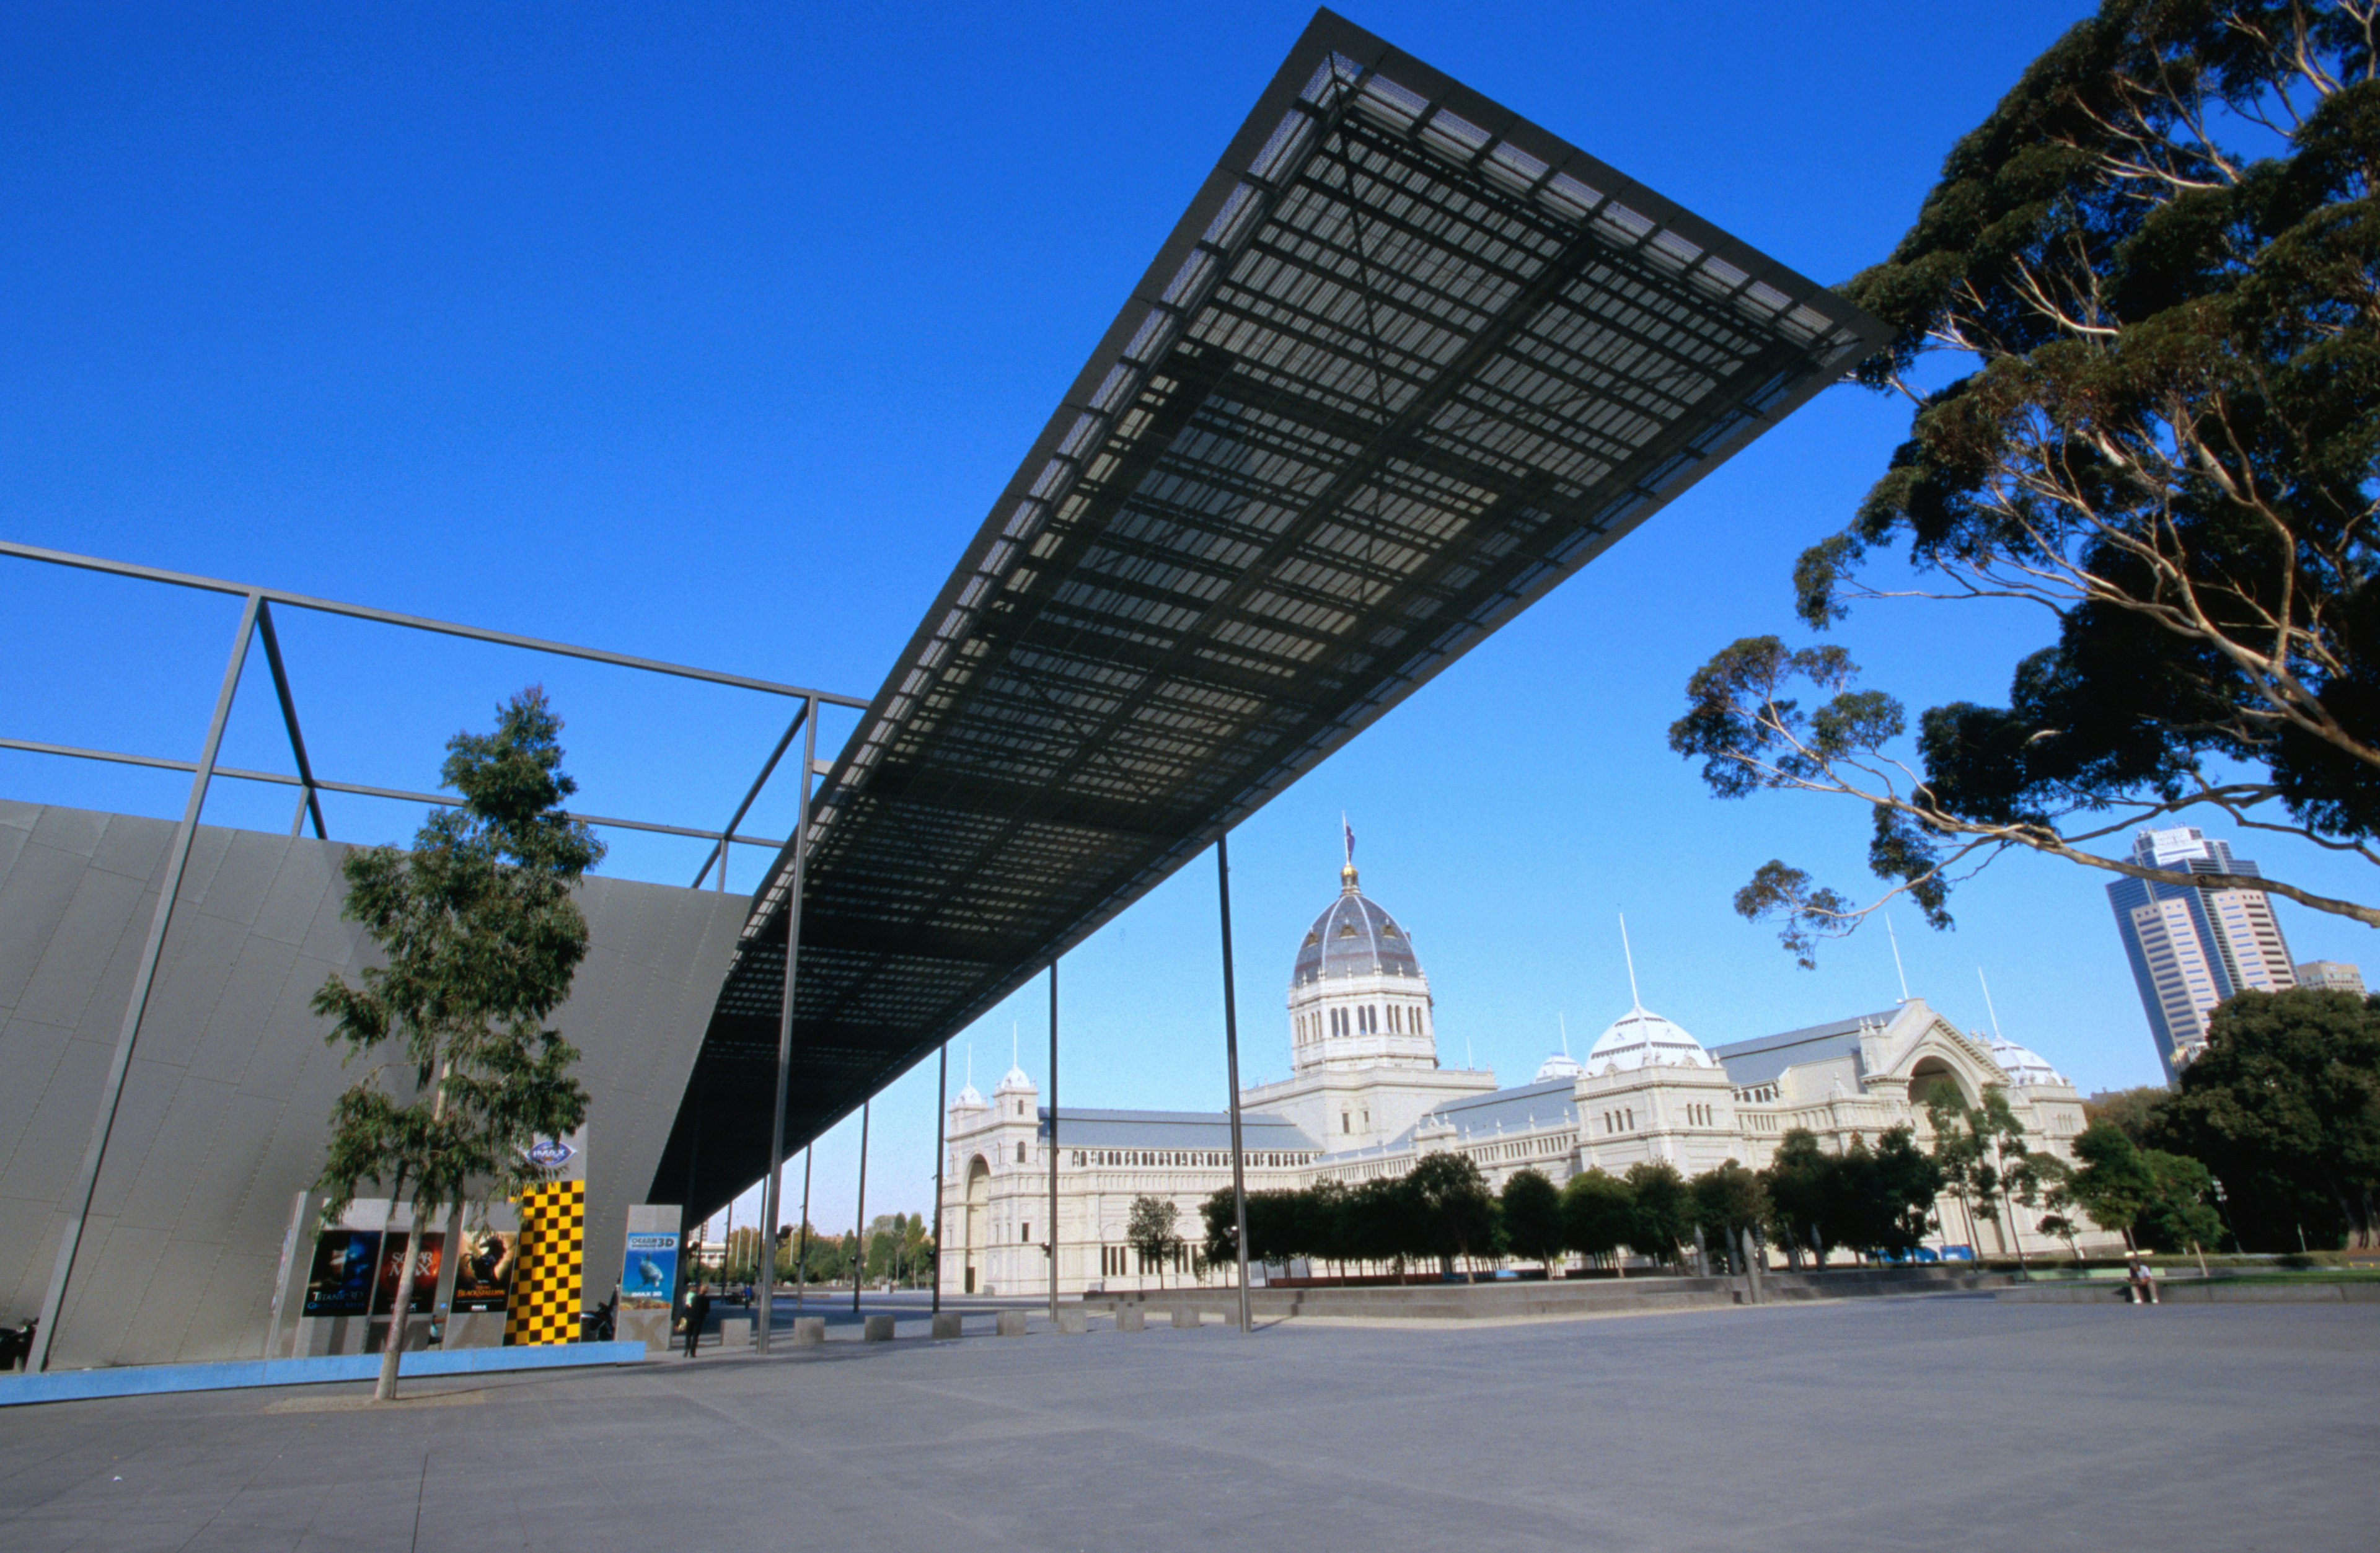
pixel 1020 1153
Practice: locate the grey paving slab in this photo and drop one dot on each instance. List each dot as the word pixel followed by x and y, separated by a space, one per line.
pixel 1868 1425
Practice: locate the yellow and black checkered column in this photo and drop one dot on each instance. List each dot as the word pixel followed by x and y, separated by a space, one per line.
pixel 550 1268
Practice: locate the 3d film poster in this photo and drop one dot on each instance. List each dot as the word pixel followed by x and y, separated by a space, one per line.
pixel 648 1272
pixel 341 1280
pixel 484 1277
pixel 425 1271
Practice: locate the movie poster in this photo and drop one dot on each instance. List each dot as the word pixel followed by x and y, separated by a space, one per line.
pixel 341 1281
pixel 649 1273
pixel 483 1278
pixel 425 1271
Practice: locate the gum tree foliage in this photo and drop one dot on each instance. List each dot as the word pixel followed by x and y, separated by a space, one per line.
pixel 1533 1218
pixel 482 939
pixel 2284 1105
pixel 2151 271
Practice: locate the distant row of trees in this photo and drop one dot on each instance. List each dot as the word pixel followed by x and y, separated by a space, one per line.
pixel 899 1249
pixel 1872 1199
pixel 1876 1200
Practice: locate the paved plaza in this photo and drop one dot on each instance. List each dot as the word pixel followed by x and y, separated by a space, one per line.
pixel 1884 1423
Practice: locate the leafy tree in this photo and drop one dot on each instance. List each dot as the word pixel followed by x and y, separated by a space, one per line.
pixel 2179 1216
pixel 482 940
pixel 1148 1229
pixel 1803 1182
pixel 1662 1219
pixel 2063 1226
pixel 2150 269
pixel 1378 1217
pixel 1533 1218
pixel 1981 1152
pixel 2138 1113
pixel 2285 1103
pixel 1219 1215
pixel 1888 1193
pixel 1731 1201
pixel 1455 1212
pixel 2114 1185
pixel 1598 1215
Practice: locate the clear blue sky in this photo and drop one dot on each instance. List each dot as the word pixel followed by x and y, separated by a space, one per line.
pixel 711 337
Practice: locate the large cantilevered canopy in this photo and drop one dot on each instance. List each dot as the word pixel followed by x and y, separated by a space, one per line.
pixel 1406 362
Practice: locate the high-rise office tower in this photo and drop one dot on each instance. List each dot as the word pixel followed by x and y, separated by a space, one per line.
pixel 2192 947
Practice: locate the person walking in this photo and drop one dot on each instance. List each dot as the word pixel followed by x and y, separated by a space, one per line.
pixel 698 1311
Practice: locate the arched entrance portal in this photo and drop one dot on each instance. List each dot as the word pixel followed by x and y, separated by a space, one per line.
pixel 978 1220
pixel 1934 1077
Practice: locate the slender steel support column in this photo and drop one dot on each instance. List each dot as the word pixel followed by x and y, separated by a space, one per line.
pixel 1053 1138
pixel 859 1261
pixel 309 802
pixel 770 1184
pixel 1231 1072
pixel 942 1104
pixel 802 1236
pixel 144 981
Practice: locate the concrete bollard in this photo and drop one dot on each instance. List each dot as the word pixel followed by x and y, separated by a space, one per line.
pixel 809 1329
pixel 1185 1316
pixel 877 1329
pixel 1010 1324
pixel 1132 1318
pixel 946 1325
pixel 735 1331
pixel 1072 1322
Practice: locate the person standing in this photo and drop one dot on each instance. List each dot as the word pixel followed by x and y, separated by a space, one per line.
pixel 698 1311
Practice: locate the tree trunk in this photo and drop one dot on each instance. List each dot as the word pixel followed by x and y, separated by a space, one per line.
pixel 2202 1260
pixel 394 1349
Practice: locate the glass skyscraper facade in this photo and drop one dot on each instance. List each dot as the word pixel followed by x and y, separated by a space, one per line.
pixel 2191 946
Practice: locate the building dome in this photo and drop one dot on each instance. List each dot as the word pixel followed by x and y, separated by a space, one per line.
pixel 968 1099
pixel 1352 936
pixel 1642 1038
pixel 1013 1081
pixel 2024 1066
pixel 1561 1064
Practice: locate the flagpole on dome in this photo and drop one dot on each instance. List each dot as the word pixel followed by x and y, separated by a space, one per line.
pixel 1347 871
pixel 1635 1002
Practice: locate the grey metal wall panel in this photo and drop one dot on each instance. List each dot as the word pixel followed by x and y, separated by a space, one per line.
pixel 223 1108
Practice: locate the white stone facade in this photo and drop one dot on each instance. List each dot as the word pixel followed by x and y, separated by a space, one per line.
pixel 1367 1097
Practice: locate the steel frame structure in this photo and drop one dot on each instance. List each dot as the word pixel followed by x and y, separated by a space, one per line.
pixel 256 624
pixel 1406 363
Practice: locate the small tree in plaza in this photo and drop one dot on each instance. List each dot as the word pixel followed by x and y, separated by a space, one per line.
pixel 1599 1216
pixel 1148 1229
pixel 1533 1218
pixel 482 940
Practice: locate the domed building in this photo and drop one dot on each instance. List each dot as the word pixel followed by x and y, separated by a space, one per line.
pixel 1368 1097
